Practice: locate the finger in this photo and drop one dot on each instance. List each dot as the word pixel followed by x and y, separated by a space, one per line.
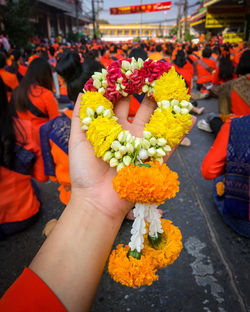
pixel 145 111
pixel 76 132
pixel 122 108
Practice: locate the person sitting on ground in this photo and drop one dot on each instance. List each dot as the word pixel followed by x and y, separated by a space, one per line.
pixel 139 53
pixel 228 162
pixel 205 70
pixel 233 98
pixel 34 99
pixel 20 160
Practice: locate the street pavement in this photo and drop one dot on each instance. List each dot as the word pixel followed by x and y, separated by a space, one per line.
pixel 212 272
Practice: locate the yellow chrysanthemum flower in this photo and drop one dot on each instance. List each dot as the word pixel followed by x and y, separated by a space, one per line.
pixel 172 127
pixel 130 271
pixel 170 86
pixel 93 100
pixel 168 250
pixel 101 133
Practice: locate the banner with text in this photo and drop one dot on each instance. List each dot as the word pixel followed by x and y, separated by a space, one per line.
pixel 144 8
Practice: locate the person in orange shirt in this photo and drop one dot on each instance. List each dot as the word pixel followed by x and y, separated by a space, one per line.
pixel 205 70
pixel 9 79
pixel 228 163
pixel 17 67
pixel 34 99
pixel 20 160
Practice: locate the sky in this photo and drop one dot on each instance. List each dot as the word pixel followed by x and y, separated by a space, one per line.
pixel 155 17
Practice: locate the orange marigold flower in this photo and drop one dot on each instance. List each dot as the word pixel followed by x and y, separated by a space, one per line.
pixel 129 271
pixel 220 188
pixel 146 184
pixel 169 249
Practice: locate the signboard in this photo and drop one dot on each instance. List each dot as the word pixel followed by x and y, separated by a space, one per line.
pixel 233 37
pixel 220 17
pixel 144 8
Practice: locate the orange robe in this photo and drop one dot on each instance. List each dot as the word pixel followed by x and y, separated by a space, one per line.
pixel 204 76
pixel 44 100
pixel 155 56
pixel 10 80
pixel 18 200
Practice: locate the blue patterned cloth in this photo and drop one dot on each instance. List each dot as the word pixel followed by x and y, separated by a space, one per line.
pixel 57 130
pixel 234 205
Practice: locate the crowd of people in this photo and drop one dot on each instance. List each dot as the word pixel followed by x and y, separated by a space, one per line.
pixel 35 135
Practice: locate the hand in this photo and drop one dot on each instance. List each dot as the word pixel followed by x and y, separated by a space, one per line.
pixel 91 177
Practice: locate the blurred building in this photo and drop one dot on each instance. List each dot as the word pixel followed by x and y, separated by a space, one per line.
pixel 129 32
pixel 54 17
pixel 231 18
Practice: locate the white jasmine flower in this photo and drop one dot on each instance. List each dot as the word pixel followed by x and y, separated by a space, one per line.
pixel 129 148
pixel 151 151
pixel 126 160
pixel 147 134
pixel 90 112
pixel 126 65
pixel 161 142
pixel 145 144
pixel 101 90
pixel 160 152
pixel 100 109
pixel 123 150
pixel 107 113
pixel 153 141
pixel 87 121
pixel 107 156
pixel 143 154
pixel 116 145
pixel 176 109
pixel 118 155
pixel 97 83
pixel 120 166
pixel 113 162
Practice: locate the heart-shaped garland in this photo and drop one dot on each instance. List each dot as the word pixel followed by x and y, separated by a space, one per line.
pixel 142 177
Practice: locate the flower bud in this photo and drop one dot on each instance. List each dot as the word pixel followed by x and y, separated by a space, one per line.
pixel 123 150
pixel 143 154
pixel 176 109
pixel 116 145
pixel 165 104
pixel 86 121
pixel 128 73
pixel 124 94
pixel 97 83
pixel 107 156
pixel 104 72
pixel 118 155
pixel 153 141
pixel 126 160
pixel 120 166
pixel 147 134
pixel 140 63
pixel 146 80
pixel 129 148
pixel 184 103
pixel 184 111
pixel 101 90
pixel 126 65
pixel 145 144
pixel 151 151
pixel 159 104
pixel 160 160
pixel 128 136
pixel 118 87
pixel 115 118
pixel 90 112
pixel 167 148
pixel 160 152
pixel 119 80
pixel 97 75
pixel 161 142
pixel 113 162
pixel 145 89
pixel 137 143
pixel 104 83
pixel 85 127
pixel 107 113
pixel 121 136
pixel 174 102
pixel 123 87
pixel 190 106
pixel 100 109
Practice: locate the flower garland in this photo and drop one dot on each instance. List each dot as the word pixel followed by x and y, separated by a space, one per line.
pixel 142 177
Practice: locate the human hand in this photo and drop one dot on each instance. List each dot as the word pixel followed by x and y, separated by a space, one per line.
pixel 91 177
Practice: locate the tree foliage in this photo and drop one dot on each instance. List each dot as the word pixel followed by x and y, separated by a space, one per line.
pixel 16 17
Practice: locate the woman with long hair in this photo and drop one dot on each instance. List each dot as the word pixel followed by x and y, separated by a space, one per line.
pixel 20 160
pixel 34 99
pixel 225 69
